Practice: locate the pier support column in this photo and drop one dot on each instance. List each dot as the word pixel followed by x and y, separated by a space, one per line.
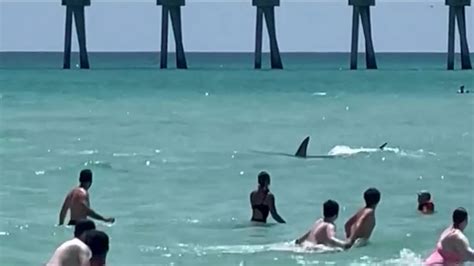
pixel 172 9
pixel 457 12
pixel 75 9
pixel 267 8
pixel 361 8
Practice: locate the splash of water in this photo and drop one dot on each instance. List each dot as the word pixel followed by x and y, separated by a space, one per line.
pixel 343 150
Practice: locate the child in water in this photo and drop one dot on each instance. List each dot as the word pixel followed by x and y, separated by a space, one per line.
pixel 425 205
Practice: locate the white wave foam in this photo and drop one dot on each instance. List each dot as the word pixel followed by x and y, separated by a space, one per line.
pixel 406 258
pixel 88 152
pixel 343 150
pixel 319 93
pixel 251 249
pixel 100 164
pixel 124 154
pixel 75 152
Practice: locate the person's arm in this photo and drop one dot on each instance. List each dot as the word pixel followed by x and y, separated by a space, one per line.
pixel 465 249
pixel 358 228
pixel 348 225
pixel 64 209
pixel 90 212
pixel 273 210
pixel 334 241
pixel 300 240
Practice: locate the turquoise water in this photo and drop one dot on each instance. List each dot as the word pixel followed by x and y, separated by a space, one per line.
pixel 173 155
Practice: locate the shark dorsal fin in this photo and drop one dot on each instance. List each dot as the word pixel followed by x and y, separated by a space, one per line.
pixel 301 152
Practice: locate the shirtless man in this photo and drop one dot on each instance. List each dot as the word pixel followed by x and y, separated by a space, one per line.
pixel 78 202
pixel 453 246
pixel 74 252
pixel 323 231
pixel 360 226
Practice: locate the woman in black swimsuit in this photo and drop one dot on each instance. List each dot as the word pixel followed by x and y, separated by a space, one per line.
pixel 263 201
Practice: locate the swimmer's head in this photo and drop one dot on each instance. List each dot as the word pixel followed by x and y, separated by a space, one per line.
pixel 85 178
pixel 460 218
pixel 371 197
pixel 330 210
pixel 424 196
pixel 82 227
pixel 98 242
pixel 263 179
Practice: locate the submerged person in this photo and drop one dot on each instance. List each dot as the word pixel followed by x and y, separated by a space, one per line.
pixel 360 226
pixel 461 90
pixel 77 200
pixel 425 205
pixel 74 252
pixel 263 201
pixel 323 231
pixel 453 246
pixel 98 242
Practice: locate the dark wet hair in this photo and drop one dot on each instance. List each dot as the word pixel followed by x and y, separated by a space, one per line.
pixel 85 176
pixel 98 242
pixel 330 209
pixel 425 194
pixel 371 197
pixel 83 226
pixel 459 216
pixel 263 178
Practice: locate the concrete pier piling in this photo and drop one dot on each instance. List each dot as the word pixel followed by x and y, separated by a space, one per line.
pixel 172 9
pixel 361 8
pixel 266 8
pixel 457 11
pixel 75 9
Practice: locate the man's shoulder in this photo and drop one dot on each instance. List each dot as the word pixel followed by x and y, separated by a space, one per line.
pixel 367 212
pixel 77 243
pixel 78 191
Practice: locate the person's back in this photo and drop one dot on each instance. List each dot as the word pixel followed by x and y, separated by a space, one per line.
pixel 71 253
pixel 77 201
pixel 319 233
pixel 78 196
pixel 74 252
pixel 323 232
pixel 262 201
pixel 361 225
pixel 259 201
pixel 453 246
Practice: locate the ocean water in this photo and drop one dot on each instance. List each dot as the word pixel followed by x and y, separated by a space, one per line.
pixel 175 154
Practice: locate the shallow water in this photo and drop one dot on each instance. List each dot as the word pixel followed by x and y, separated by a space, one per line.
pixel 173 155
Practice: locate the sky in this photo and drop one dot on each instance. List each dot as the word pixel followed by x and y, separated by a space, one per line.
pixel 229 26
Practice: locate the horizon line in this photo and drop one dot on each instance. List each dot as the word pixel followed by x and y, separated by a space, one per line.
pixel 227 52
pixel 225 2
